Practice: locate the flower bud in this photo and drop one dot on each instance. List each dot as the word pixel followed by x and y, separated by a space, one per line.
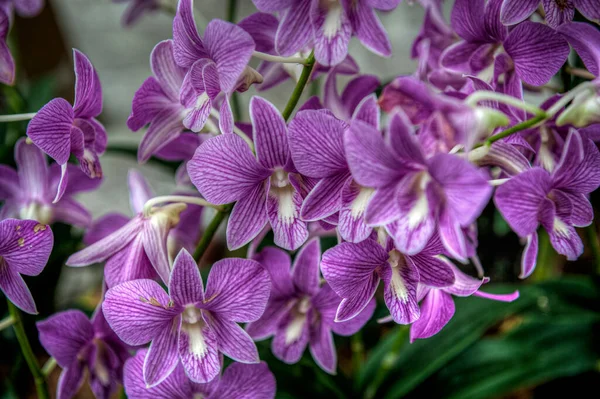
pixel 583 111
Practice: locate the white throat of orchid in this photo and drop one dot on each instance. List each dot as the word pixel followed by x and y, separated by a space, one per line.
pixel 333 19
pixel 397 261
pixel 100 368
pixel 192 324
pixel 359 204
pixel 283 191
pixel 299 318
pixel 36 211
pixel 420 208
pixel 545 156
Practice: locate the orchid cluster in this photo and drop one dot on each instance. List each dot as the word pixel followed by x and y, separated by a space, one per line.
pixel 400 179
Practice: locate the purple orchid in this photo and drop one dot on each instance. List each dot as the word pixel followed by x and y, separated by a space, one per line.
pixel 7 63
pixel 24 8
pixel 25 247
pixel 355 270
pixel 557 12
pixel 332 24
pixel 558 200
pixel 310 133
pixel 77 343
pixel 531 52
pixel 181 149
pixel 265 187
pixel 437 306
pixel 300 311
pixel 189 325
pixel 346 106
pixel 414 195
pixel 243 381
pixel 132 262
pixel 60 129
pixel 218 63
pixel 28 192
pixel 132 248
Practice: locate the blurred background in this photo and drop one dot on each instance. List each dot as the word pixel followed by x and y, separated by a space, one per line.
pixel 544 344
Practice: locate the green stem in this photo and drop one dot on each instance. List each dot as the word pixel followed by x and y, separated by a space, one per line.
pixel 6 322
pixel 592 236
pixel 231 9
pixel 236 107
pixel 358 353
pixel 210 231
pixel 49 366
pixel 388 362
pixel 38 376
pixel 516 128
pixel 297 93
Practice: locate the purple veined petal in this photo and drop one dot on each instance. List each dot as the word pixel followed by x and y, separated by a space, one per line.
pixel 165 69
pixel 29 8
pixel 278 264
pixel 15 289
pixel 368 111
pixel 105 370
pixel 464 285
pixel 565 239
pixel 352 326
pixel 272 5
pixel 331 98
pixel 305 270
pixel 402 139
pixel 466 190
pixel 537 51
pixel 9 182
pixel 368 28
pixel 322 347
pixel 246 381
pixel 383 207
pixel 292 337
pixel 88 92
pixel 433 271
pixel 69 211
pixel 111 244
pixel 589 9
pixel 269 133
pixel 355 200
pixel 468 20
pixel 101 138
pixel 529 257
pixel 224 170
pixel 273 74
pixel 357 90
pixel 557 15
pixel 139 190
pixel 457 56
pixel 78 181
pixel 138 311
pixel 65 334
pixel 130 263
pixel 507 157
pixel 195 118
pixel 182 148
pixel 70 380
pixel 400 280
pixel 185 285
pixel 25 245
pixel 493 25
pixel 204 77
pixel 515 11
pixel 316 144
pixel 226 119
pixel 283 211
pixel 332 30
pixel 198 351
pixel 582 213
pixel 166 126
pixel 350 308
pixel 104 226
pixel 187 44
pixel 162 357
pixel 520 199
pixel 452 235
pixel 32 169
pixel 583 38
pixel 231 48
pixel 436 311
pixel 232 340
pixel 384 5
pixel 173 387
pixel 498 297
pixel 154 239
pixel 325 198
pixel 269 322
pixel 371 162
pixel 237 290
pixel 294 30
pixel 7 63
pixel 148 100
pixel 578 167
pixel 248 218
pixel 262 27
pixel 50 129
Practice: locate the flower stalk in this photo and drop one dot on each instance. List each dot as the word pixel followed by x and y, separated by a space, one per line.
pixel 297 93
pixel 30 359
pixel 17 117
pixel 177 198
pixel 6 322
pixel 283 60
pixel 210 231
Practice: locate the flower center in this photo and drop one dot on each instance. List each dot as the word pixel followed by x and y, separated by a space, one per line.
pixel 100 368
pixel 359 204
pixel 36 211
pixel 192 324
pixel 397 261
pixel 299 312
pixel 420 208
pixel 283 191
